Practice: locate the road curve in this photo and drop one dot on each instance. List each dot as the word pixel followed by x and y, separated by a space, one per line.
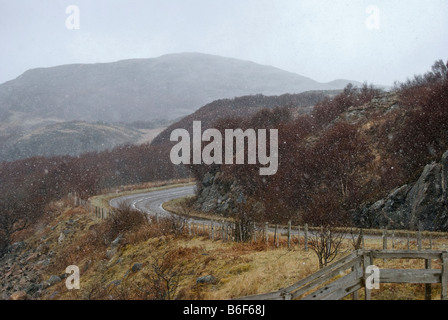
pixel 151 202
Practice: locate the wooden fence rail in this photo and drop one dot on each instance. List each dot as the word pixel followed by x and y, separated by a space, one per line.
pixel 348 275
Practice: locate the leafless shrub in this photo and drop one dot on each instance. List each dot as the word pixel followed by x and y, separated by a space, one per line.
pixel 244 228
pixel 161 278
pixel 326 243
pixel 173 224
pixel 122 220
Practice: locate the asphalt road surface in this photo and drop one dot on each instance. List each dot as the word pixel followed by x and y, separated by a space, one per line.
pixel 151 202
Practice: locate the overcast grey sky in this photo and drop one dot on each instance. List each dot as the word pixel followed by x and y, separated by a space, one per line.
pixel 323 40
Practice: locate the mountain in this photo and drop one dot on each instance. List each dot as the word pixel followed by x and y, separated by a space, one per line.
pixel 167 87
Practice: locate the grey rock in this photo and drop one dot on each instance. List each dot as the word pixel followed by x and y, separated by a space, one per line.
pixel 208 179
pixel 137 267
pixel 421 205
pixel 54 279
pixel 117 241
pixel 206 279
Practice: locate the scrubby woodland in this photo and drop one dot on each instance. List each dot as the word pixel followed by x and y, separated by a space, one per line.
pixel 350 149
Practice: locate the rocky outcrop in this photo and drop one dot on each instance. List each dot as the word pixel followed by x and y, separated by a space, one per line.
pixel 421 205
pixel 21 272
pixel 221 195
pixel 24 268
pixel 216 195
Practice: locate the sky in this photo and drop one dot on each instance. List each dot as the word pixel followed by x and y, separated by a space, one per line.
pixel 378 41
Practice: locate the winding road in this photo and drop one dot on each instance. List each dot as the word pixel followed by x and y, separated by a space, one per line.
pixel 151 202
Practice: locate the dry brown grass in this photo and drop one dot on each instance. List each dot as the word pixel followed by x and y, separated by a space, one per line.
pixel 240 269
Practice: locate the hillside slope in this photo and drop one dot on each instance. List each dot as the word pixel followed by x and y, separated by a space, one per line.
pixel 67 138
pixel 365 157
pixel 244 107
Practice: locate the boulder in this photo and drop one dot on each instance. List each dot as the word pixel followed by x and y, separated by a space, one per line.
pixel 421 205
pixel 117 241
pixel 137 267
pixel 53 280
pixel 206 279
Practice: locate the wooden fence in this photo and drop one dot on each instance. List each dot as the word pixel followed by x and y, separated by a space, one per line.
pixel 328 284
pixel 274 233
pixel 338 280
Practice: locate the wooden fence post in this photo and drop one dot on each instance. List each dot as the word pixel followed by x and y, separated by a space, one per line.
pixel 409 241
pixel 254 237
pixel 306 237
pixel 356 268
pixel 223 231
pixel 266 235
pixel 275 236
pixel 419 240
pixel 289 234
pixel 428 290
pixel 362 241
pixel 384 239
pixel 444 276
pixel 393 239
pixel 367 261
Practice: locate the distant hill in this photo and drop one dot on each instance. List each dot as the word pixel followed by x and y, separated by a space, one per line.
pixel 67 138
pixel 167 87
pixel 47 111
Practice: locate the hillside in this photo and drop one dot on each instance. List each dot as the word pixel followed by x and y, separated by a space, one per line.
pixel 67 138
pixel 244 107
pixel 144 89
pixel 127 263
pixel 351 151
pixel 364 157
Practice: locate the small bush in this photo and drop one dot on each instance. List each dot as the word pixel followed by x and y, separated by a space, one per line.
pixel 123 220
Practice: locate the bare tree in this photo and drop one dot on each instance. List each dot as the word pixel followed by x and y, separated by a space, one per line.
pixel 326 243
pixel 13 218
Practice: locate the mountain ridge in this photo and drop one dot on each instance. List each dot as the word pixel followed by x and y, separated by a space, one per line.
pixel 128 90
